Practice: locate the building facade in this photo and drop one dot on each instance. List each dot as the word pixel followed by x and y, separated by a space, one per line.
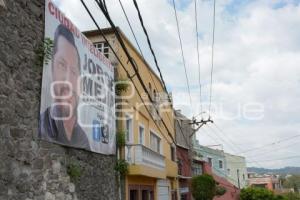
pixel 270 182
pixel 150 149
pixel 184 131
pixel 236 170
pixel 215 157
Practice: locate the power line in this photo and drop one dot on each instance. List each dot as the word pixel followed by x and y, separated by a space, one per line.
pixel 131 29
pixel 271 144
pixel 127 73
pixel 279 159
pixel 182 54
pixel 260 154
pixel 212 55
pixel 128 22
pixel 198 58
pixel 102 6
pixel 149 43
pixel 232 146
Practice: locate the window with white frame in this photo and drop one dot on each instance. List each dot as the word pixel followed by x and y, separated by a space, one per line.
pixel 102 47
pixel 141 134
pixel 221 164
pixel 197 169
pixel 129 129
pixel 154 142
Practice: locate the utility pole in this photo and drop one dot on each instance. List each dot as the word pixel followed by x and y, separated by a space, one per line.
pixel 200 123
pixel 238 176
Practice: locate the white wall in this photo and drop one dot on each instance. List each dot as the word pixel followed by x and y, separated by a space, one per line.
pixel 235 163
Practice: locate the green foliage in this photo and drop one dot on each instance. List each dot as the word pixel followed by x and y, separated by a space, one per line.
pixel 256 194
pixel 121 138
pixel 220 190
pixel 253 193
pixel 122 167
pixel 291 196
pixel 203 187
pixel 44 52
pixel 121 85
pixel 292 182
pixel 74 170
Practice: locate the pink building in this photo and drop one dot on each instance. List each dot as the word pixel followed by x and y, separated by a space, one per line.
pixel 269 182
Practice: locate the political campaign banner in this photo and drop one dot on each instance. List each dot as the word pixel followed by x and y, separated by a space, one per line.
pixel 77 97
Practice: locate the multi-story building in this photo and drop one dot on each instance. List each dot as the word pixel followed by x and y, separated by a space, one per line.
pixel 236 170
pixel 215 158
pixel 184 131
pixel 150 149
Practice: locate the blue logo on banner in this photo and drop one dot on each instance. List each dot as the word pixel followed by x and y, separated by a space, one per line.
pixel 96 131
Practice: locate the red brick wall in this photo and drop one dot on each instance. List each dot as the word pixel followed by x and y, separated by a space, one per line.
pixel 183 155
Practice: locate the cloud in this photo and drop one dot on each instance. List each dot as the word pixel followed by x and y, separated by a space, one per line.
pixel 257 56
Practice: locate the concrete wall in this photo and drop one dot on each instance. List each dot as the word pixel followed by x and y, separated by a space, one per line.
pixel 30 168
pixel 236 170
pixel 184 130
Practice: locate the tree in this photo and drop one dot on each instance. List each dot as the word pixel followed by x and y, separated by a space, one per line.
pixel 292 182
pixel 203 187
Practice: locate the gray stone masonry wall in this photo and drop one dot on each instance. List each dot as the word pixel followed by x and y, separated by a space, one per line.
pixel 31 169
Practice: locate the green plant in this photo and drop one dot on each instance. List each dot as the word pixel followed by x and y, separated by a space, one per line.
pixel 121 138
pixel 291 196
pixel 203 187
pixel 220 190
pixel 122 167
pixel 74 171
pixel 121 85
pixel 253 193
pixel 44 52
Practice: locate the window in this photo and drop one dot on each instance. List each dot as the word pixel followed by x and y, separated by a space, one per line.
pixel 228 171
pixel 243 176
pixel 197 169
pixel 141 134
pixel 128 129
pixel 221 164
pixel 154 142
pixel 150 89
pixel 102 47
pixel 209 161
pixel 180 163
pixel 172 153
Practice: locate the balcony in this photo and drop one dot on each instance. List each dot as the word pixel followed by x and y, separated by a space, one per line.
pixel 144 161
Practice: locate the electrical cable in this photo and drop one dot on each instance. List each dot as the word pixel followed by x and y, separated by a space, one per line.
pixel 131 29
pixel 127 73
pixel 198 59
pixel 260 154
pixel 149 43
pixel 233 147
pixel 182 54
pixel 212 56
pixel 137 43
pixel 119 38
pixel 270 144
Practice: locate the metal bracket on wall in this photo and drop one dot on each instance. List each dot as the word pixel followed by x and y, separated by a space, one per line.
pixel 2 4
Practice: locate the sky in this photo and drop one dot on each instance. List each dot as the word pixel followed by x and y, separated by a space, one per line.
pixel 256 76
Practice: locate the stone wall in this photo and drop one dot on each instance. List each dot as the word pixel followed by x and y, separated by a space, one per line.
pixel 30 168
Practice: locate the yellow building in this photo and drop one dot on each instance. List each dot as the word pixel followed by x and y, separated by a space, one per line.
pixel 149 149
